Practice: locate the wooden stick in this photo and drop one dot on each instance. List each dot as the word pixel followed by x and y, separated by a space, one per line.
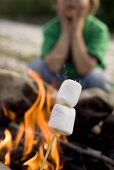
pixel 48 151
pixel 89 152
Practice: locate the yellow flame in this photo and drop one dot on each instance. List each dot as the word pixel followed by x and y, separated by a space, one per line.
pixel 7 159
pixel 32 163
pixel 32 114
pixel 6 144
pixel 11 115
pixel 19 134
pixel 36 116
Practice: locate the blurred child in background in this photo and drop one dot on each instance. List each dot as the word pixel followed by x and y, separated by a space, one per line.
pixel 74 46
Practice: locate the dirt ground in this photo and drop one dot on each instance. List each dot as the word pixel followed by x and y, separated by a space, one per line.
pixel 22 42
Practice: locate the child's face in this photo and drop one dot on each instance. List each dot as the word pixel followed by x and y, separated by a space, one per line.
pixel 68 7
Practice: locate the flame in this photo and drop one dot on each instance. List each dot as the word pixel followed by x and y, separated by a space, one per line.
pixel 11 115
pixel 32 114
pixel 6 144
pixel 7 158
pixel 32 163
pixel 19 134
pixel 35 118
pixel 48 101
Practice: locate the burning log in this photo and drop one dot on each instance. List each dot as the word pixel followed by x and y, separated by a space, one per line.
pixel 77 148
pixel 34 117
pixel 15 91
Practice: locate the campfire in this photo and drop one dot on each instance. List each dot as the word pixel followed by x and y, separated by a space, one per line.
pixel 25 136
pixel 32 133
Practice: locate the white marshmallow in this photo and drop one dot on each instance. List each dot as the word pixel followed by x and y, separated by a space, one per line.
pixel 69 93
pixel 62 119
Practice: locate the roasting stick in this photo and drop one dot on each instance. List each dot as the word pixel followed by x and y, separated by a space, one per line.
pixel 48 151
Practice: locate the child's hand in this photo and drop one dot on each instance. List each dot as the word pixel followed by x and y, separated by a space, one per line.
pixel 53 64
pixel 57 57
pixel 64 20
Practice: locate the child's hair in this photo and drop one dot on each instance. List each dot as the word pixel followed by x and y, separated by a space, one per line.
pixel 94 6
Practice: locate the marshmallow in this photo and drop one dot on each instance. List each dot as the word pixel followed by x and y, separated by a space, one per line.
pixel 62 119
pixel 69 93
pixel 63 114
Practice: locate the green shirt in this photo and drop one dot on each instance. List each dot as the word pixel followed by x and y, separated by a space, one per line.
pixel 96 36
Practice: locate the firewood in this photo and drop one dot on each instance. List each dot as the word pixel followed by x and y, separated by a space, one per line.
pixel 77 148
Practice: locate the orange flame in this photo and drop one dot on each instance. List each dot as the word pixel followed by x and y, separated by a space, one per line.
pixel 19 134
pixel 32 163
pixel 7 159
pixel 11 115
pixel 32 114
pixel 6 144
pixel 35 118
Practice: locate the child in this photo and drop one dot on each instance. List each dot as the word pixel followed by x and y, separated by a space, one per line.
pixel 74 46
